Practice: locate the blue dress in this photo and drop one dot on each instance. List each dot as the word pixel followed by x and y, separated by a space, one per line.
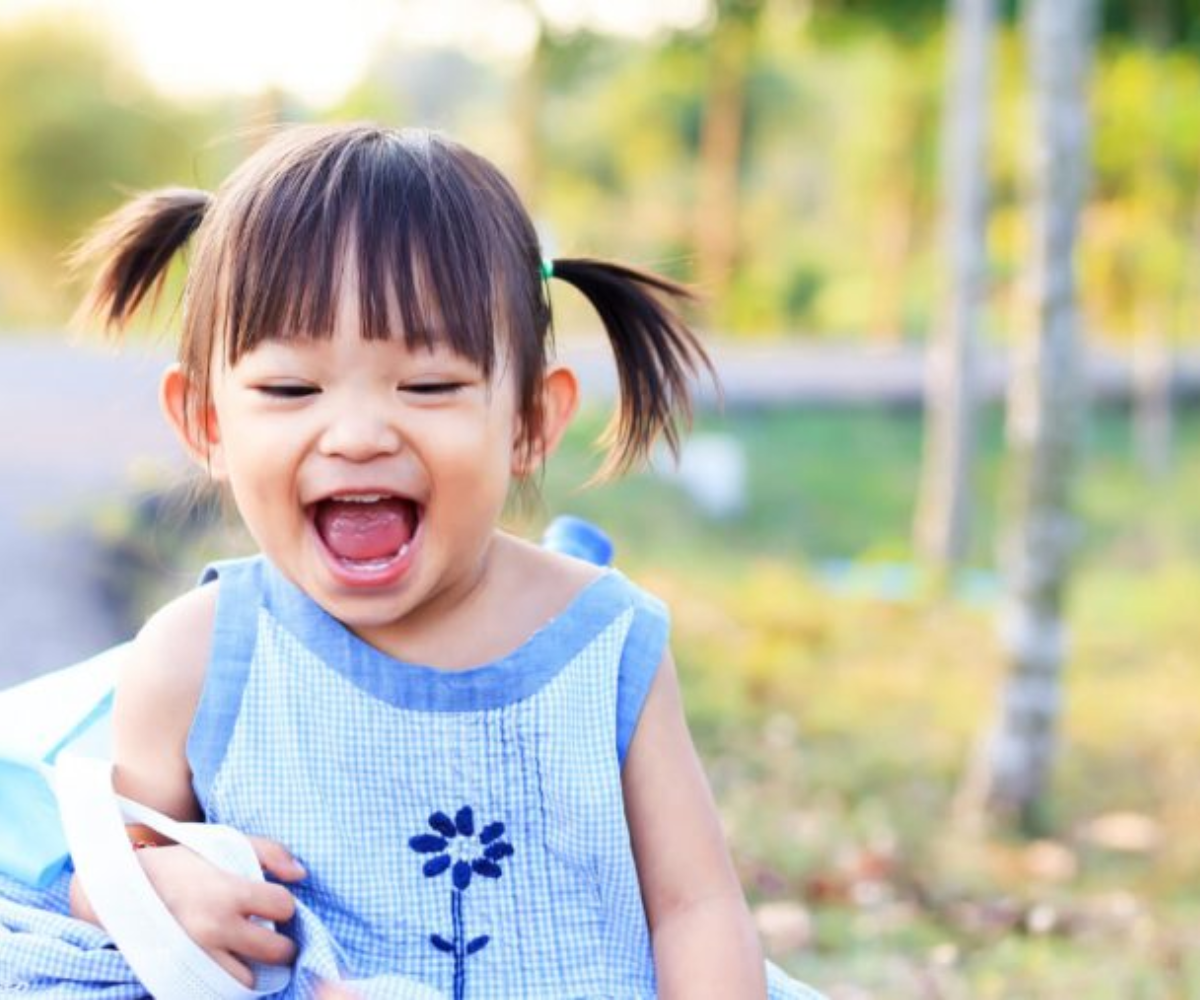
pixel 464 832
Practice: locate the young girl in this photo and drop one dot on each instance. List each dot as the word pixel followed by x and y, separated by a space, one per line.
pixel 462 755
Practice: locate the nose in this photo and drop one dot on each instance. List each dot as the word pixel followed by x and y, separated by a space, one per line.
pixel 359 434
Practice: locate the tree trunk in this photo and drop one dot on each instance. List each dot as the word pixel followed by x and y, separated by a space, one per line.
pixel 942 529
pixel 1153 22
pixel 1044 416
pixel 721 139
pixel 1153 376
pixel 895 226
pixel 529 97
pixel 1153 389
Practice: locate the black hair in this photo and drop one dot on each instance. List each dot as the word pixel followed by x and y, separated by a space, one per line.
pixel 444 254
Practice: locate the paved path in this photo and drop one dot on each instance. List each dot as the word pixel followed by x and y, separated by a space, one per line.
pixel 74 423
pixel 75 420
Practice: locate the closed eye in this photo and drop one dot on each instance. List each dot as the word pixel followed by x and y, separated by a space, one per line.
pixel 434 388
pixel 287 391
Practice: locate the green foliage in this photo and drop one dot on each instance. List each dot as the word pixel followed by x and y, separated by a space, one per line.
pixel 80 131
pixel 1162 22
pixel 838 225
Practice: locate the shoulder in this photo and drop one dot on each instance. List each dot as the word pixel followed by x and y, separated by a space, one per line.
pixel 546 581
pixel 171 651
pixel 156 699
pixel 552 579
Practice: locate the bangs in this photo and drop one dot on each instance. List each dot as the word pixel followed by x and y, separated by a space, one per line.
pixel 409 221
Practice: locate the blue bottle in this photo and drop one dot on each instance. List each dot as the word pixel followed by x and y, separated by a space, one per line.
pixel 573 536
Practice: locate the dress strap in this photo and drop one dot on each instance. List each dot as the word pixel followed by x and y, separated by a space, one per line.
pixel 644 649
pixel 235 635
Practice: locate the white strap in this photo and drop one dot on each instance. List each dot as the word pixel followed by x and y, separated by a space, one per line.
pixel 169 964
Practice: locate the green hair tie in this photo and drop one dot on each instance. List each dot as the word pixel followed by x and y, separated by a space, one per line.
pixel 547 268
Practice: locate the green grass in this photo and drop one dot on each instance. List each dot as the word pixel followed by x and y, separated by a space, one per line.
pixel 836 730
pixel 826 483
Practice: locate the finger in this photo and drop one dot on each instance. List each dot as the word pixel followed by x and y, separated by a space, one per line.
pixel 261 944
pixel 276 859
pixel 271 902
pixel 335 991
pixel 80 905
pixel 236 968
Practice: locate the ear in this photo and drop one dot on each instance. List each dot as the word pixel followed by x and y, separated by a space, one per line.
pixel 199 435
pixel 560 400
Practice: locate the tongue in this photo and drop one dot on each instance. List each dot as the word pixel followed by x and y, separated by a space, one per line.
pixel 365 530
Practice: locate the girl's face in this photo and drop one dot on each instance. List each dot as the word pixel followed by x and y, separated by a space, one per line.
pixel 372 475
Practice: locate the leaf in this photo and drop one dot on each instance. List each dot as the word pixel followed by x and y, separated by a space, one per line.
pixel 440 943
pixel 478 944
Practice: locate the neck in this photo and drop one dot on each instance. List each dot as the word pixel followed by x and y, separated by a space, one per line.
pixel 450 630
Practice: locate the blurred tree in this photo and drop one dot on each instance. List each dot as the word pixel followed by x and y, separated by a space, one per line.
pixel 826 173
pixel 529 99
pixel 1152 360
pixel 1177 22
pixel 1171 22
pixel 730 51
pixel 1045 403
pixel 897 205
pixel 943 521
pixel 910 19
pixel 79 131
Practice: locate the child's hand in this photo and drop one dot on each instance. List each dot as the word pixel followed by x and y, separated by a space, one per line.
pixel 214 907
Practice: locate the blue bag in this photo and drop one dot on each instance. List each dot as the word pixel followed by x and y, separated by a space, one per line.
pixel 69 708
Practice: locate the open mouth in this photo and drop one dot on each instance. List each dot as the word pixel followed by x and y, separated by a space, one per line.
pixel 367 534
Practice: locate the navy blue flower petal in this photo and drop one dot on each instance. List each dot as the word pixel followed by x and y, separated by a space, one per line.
pixel 427 843
pixel 464 820
pixel 461 875
pixel 491 832
pixel 498 851
pixel 443 824
pixel 486 868
pixel 435 866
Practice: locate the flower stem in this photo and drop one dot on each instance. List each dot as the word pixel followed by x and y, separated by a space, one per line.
pixel 460 946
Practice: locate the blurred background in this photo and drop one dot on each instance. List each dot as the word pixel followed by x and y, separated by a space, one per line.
pixel 934 567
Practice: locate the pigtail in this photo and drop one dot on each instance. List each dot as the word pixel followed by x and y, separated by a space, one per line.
pixel 658 356
pixel 134 247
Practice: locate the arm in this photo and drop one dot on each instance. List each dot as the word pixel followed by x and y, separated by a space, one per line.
pixel 156 699
pixel 703 938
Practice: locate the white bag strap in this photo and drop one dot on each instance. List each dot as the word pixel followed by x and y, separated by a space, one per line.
pixel 170 965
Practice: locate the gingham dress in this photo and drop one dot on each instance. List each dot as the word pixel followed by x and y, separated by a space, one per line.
pixel 464 832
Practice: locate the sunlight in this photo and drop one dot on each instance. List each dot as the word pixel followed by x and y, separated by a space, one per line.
pixel 246 46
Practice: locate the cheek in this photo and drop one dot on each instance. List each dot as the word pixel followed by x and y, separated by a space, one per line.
pixel 475 465
pixel 255 460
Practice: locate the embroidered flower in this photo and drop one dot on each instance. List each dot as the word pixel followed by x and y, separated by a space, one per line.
pixel 455 847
